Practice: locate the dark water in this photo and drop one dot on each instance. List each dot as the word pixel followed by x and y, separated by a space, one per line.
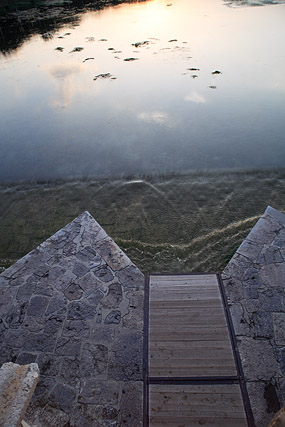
pixel 148 115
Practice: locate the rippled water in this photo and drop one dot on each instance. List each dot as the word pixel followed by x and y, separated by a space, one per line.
pixel 205 89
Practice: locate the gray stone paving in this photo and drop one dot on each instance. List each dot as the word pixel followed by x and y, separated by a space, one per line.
pixel 255 286
pixel 74 305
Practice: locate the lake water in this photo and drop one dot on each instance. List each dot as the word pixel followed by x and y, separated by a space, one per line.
pixel 205 89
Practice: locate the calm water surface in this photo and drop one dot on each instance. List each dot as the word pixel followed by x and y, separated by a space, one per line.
pixel 153 113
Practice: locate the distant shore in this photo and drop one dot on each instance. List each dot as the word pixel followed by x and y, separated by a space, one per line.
pixel 172 222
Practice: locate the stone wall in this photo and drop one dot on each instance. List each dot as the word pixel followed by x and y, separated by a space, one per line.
pixel 74 305
pixel 255 286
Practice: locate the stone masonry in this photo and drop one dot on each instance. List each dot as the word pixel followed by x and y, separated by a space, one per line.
pixel 255 286
pixel 74 305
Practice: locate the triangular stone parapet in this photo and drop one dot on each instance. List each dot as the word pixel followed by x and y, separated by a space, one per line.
pixel 74 305
pixel 255 286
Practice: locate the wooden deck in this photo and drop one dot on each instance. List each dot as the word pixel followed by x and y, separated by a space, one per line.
pixel 191 372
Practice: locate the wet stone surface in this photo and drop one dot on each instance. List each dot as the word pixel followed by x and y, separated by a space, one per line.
pixel 255 286
pixel 74 305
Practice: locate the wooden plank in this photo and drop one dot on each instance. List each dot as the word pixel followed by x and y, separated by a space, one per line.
pixel 178 353
pixel 197 421
pixel 203 372
pixel 196 388
pixel 183 278
pixel 186 328
pixel 187 291
pixel 192 363
pixel 203 303
pixel 186 314
pixel 215 405
pixel 191 345
pixel 182 286
pixel 176 296
pixel 186 336
pixel 189 397
pixel 182 322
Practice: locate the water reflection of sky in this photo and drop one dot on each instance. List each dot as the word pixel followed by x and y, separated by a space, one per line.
pixel 154 113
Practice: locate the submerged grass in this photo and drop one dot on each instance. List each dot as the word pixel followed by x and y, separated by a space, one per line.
pixel 178 223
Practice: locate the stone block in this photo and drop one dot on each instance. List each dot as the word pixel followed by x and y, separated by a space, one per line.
pixel 113 317
pixel 17 385
pixel 95 391
pixel 15 338
pixel 261 412
pixel 34 324
pixel 73 292
pixel 26 358
pixel 131 408
pixel 6 299
pixel 57 304
pixel 62 397
pixel 76 328
pixel 114 296
pixel 37 306
pixel 250 250
pixel 49 364
pixel 241 326
pixel 40 342
pixel 104 274
pixel 112 254
pixel 68 346
pixel 279 328
pixel 94 359
pixel 25 292
pixel 126 360
pixel 238 266
pixel 80 269
pixel 16 315
pixel 273 275
pixel 234 289
pixel 270 254
pixel 69 372
pixel 81 310
pixel 262 324
pixel 258 359
pixel 131 278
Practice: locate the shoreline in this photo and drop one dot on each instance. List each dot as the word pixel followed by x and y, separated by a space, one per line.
pixel 185 223
pixel 142 176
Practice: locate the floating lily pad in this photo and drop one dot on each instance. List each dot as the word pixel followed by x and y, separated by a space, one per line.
pixel 140 44
pixel 131 59
pixel 213 87
pixel 216 72
pixel 103 76
pixel 193 69
pixel 172 40
pixel 61 49
pixel 87 59
pixel 77 49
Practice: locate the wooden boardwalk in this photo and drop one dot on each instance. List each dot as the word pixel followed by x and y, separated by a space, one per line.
pixel 191 372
